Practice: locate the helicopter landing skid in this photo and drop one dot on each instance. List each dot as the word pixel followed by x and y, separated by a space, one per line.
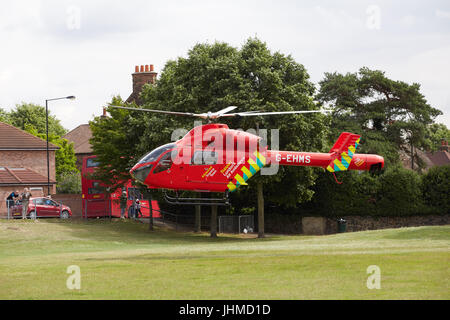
pixel 197 201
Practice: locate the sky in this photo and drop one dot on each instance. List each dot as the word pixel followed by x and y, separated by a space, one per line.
pixel 57 48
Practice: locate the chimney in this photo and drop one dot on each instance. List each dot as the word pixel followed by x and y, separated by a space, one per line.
pixel 143 74
pixel 104 113
pixel 444 145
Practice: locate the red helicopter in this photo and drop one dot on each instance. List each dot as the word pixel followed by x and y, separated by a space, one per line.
pixel 215 158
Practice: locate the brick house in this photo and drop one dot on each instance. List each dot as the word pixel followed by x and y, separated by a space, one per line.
pixel 23 163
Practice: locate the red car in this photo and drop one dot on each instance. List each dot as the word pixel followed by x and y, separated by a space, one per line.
pixel 42 207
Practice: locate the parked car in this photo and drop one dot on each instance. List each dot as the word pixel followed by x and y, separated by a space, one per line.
pixel 42 207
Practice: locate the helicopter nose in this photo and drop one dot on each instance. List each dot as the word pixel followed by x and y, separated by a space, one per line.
pixel 141 173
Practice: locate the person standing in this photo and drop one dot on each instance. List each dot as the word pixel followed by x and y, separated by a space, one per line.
pixel 123 204
pixel 26 195
pixel 137 211
pixel 10 199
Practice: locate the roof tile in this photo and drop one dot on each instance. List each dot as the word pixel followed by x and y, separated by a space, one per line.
pixel 12 138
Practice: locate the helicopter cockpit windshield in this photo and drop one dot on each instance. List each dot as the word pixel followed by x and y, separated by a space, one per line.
pixel 154 154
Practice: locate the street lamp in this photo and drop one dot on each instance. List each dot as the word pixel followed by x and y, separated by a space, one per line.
pixel 46 126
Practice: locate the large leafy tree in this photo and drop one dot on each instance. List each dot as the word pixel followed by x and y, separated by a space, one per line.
pixel 212 77
pixel 389 114
pixel 435 134
pixel 115 141
pixel 28 116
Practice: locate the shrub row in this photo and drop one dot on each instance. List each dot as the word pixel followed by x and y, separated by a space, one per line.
pixel 397 191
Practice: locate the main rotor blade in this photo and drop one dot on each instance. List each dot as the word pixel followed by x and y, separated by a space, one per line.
pixel 158 111
pixel 248 114
pixel 223 111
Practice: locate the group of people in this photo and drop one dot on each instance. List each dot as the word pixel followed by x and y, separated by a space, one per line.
pixel 24 197
pixel 136 206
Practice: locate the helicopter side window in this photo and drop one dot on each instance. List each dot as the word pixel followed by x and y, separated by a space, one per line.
pixel 204 157
pixel 164 163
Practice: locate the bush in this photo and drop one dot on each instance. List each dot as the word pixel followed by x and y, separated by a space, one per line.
pixel 399 192
pixel 69 182
pixel 436 188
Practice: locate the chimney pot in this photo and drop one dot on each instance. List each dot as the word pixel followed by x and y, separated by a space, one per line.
pixel 151 68
pixel 136 69
pixel 142 68
pixel 146 68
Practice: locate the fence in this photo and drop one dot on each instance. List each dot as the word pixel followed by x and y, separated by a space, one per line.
pixel 236 224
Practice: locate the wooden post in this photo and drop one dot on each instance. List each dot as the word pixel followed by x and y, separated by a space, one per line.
pixel 150 222
pixel 198 218
pixel 260 209
pixel 214 222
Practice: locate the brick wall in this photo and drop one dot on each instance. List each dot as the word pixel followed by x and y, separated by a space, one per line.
pixel 293 224
pixel 73 201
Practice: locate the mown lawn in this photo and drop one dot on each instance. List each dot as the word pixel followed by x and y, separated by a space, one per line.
pixel 122 260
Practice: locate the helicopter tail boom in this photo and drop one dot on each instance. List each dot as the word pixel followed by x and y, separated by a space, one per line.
pixel 362 162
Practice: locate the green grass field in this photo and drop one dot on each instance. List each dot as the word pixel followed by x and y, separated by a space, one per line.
pixel 123 260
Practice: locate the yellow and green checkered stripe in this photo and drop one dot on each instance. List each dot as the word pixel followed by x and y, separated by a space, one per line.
pixel 247 171
pixel 343 163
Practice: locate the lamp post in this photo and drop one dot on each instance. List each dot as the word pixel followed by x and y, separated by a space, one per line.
pixel 46 127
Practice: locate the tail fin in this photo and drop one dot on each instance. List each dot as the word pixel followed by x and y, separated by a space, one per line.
pixel 344 149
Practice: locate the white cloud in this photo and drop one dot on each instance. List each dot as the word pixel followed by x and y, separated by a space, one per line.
pixel 442 14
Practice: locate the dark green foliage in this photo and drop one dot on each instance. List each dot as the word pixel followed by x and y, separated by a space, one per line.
pixel 390 115
pixel 399 192
pixel 114 141
pixel 435 134
pixel 69 182
pixel 28 116
pixel 436 188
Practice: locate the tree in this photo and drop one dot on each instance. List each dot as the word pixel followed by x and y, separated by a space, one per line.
pixel 435 133
pixel 392 114
pixel 4 116
pixel 65 159
pixel 69 182
pixel 28 116
pixel 115 140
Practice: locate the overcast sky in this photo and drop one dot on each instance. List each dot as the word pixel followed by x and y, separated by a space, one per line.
pixel 89 49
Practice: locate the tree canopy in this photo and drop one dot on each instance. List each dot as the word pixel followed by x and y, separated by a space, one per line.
pixel 390 115
pixel 28 116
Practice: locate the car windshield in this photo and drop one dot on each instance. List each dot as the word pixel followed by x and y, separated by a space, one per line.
pixel 153 155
